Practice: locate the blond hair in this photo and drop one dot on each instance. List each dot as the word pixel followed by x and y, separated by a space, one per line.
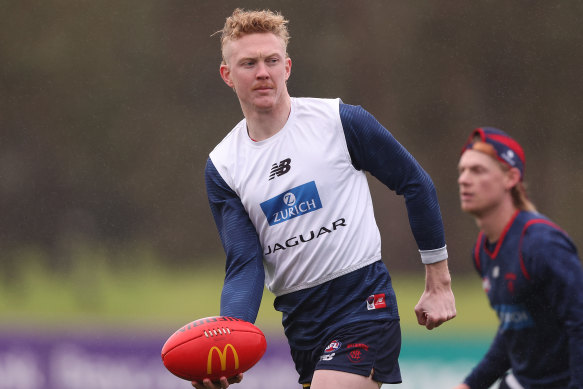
pixel 520 198
pixel 243 22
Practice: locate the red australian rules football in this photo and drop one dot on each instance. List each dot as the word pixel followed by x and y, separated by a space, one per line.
pixel 213 347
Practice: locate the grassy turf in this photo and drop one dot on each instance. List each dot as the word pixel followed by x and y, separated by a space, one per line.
pixel 149 297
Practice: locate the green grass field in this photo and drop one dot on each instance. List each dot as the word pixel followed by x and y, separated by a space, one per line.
pixel 145 296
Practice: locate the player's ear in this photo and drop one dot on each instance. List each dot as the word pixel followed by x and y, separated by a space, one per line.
pixel 512 178
pixel 226 75
pixel 288 65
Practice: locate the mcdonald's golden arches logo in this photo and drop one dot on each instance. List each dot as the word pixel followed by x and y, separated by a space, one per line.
pixel 222 358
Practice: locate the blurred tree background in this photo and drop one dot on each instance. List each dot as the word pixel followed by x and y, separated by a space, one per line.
pixel 108 111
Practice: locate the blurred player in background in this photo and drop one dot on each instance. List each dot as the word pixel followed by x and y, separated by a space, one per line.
pixel 530 271
pixel 288 192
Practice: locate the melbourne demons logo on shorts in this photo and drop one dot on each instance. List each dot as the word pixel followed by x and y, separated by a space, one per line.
pixel 358 350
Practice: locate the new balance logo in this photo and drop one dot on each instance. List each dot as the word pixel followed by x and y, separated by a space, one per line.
pixel 281 169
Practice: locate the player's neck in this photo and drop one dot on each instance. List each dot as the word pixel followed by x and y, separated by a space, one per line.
pixel 494 221
pixel 263 124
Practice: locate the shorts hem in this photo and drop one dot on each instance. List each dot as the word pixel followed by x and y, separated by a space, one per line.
pixel 382 379
pixel 388 381
pixel 344 370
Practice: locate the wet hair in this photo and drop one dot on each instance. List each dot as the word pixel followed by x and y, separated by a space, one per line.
pixel 243 22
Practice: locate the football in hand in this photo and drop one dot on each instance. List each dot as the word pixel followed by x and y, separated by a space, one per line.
pixel 213 347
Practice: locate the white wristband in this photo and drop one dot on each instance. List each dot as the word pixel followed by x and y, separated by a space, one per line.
pixel 432 256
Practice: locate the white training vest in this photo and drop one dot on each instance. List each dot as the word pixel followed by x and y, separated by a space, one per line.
pixel 311 208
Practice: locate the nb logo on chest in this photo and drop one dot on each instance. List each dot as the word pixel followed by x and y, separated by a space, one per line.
pixel 279 170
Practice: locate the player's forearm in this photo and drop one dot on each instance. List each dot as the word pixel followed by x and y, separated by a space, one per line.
pixel 493 366
pixel 242 291
pixel 437 276
pixel 244 271
pixel 245 275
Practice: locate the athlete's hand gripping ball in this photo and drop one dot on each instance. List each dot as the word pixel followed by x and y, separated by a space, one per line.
pixel 215 348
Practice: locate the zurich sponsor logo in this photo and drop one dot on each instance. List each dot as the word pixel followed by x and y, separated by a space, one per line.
pixel 292 203
pixel 513 317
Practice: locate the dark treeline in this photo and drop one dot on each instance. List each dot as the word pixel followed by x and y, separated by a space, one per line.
pixel 109 109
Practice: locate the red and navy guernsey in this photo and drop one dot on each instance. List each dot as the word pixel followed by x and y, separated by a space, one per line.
pixel 533 279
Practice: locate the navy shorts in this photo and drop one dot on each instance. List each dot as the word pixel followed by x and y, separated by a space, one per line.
pixel 359 348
